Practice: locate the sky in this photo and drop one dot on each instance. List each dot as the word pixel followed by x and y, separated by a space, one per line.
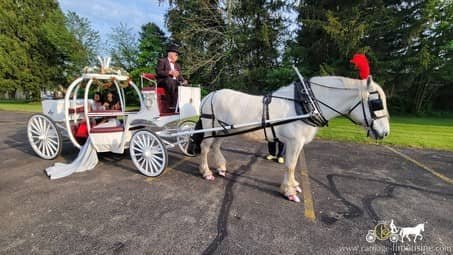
pixel 107 14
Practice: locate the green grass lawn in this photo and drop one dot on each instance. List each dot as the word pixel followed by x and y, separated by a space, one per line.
pixel 21 107
pixel 432 133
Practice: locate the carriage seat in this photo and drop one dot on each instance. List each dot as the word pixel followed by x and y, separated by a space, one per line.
pixel 80 130
pixel 149 76
pixel 78 109
pixel 96 130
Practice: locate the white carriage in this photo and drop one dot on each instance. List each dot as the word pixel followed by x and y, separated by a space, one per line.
pixel 147 132
pixel 142 131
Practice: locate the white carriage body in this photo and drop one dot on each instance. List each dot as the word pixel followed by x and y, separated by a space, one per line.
pixel 189 101
pixel 117 130
pixel 55 108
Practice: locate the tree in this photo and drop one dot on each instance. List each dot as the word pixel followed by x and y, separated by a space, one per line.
pixel 151 45
pixel 405 41
pixel 37 51
pixel 124 47
pixel 228 43
pixel 81 28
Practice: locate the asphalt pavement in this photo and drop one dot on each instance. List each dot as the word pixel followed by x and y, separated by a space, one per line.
pixel 113 209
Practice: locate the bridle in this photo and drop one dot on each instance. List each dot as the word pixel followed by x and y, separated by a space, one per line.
pixel 374 105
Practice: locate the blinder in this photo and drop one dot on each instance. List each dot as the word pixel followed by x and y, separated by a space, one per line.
pixel 375 104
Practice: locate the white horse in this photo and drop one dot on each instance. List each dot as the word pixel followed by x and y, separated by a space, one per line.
pixel 341 96
pixel 415 231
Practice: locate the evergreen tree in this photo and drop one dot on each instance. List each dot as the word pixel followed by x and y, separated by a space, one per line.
pixel 406 42
pixel 228 43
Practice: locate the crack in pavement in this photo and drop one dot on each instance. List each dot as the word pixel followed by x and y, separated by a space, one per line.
pixel 222 222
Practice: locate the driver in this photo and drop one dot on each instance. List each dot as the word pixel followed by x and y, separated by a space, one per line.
pixel 169 75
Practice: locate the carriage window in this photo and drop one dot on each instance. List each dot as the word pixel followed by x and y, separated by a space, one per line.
pixel 132 99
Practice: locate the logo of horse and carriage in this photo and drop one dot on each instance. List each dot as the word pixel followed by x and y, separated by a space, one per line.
pixel 385 230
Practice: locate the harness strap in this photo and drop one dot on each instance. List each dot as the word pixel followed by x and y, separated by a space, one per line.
pixel 256 128
pixel 266 101
pixel 212 117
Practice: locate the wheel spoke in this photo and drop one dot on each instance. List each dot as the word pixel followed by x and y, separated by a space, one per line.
pixel 152 143
pixel 158 158
pixel 52 146
pixel 45 149
pixel 149 168
pixel 141 164
pixel 40 145
pixel 155 168
pixel 147 141
pixel 140 142
pixel 46 126
pixel 139 159
pixel 55 142
pixel 35 125
pixel 155 162
pixel 137 152
pixel 49 149
pixel 35 132
pixel 41 125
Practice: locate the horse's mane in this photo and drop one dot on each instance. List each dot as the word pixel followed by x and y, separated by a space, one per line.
pixel 339 82
pixel 327 81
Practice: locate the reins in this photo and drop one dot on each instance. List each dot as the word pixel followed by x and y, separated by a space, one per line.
pixel 315 119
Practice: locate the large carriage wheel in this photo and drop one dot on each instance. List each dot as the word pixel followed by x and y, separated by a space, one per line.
pixel 44 136
pixel 148 153
pixel 183 140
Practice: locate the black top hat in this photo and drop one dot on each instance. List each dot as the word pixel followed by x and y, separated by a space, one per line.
pixel 173 48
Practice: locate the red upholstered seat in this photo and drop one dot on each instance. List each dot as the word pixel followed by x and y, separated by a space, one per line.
pixel 78 109
pixel 159 91
pixel 96 130
pixel 149 76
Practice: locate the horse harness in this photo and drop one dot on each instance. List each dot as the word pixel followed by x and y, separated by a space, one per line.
pixel 374 105
pixel 305 102
pixel 302 105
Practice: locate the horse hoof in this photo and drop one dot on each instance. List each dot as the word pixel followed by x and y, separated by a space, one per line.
pixel 209 177
pixel 294 198
pixel 298 189
pixel 221 172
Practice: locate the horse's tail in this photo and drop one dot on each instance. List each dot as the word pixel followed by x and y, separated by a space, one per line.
pixel 196 139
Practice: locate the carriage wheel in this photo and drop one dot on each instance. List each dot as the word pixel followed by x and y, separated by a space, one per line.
pixel 44 137
pixel 371 237
pixel 183 141
pixel 394 238
pixel 148 153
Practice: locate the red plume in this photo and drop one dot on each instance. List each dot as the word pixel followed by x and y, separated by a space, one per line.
pixel 361 63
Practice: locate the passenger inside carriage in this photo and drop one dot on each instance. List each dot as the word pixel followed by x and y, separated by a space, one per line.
pixel 97 104
pixel 111 102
